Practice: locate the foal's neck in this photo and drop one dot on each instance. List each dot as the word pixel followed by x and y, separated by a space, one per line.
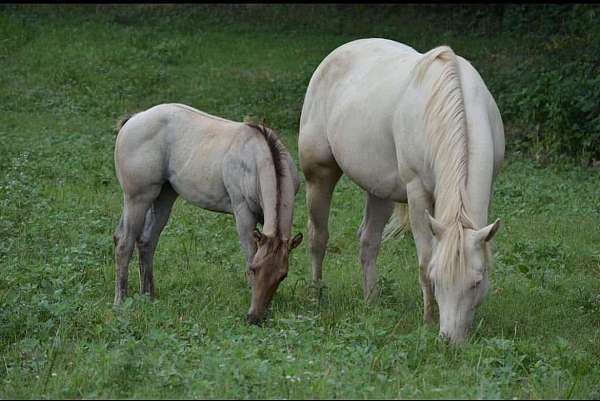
pixel 276 183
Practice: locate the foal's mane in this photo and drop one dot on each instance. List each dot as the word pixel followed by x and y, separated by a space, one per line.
pixel 447 154
pixel 276 150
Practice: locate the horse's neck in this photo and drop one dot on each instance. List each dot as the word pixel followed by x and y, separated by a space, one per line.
pixel 471 196
pixel 480 164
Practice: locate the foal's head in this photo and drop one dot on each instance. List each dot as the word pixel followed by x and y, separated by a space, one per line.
pixel 268 268
pixel 459 273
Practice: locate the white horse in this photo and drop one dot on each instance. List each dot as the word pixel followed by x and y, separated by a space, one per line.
pixel 412 128
pixel 173 150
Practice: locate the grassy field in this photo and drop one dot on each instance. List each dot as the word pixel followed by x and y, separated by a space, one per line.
pixel 67 75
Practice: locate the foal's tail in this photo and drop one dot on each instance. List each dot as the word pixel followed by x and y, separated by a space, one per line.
pixel 398 224
pixel 122 121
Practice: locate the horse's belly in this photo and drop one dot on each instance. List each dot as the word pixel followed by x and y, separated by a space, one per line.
pixel 363 146
pixel 375 174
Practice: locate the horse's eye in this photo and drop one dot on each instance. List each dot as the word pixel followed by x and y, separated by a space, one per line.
pixel 252 269
pixel 475 284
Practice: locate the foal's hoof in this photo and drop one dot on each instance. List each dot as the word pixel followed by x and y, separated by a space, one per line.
pixel 253 319
pixel 318 288
pixel 372 297
pixel 428 320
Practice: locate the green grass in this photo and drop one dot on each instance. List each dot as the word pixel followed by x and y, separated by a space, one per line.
pixel 68 73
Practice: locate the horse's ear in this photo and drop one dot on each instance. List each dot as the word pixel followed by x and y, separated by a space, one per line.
pixel 294 242
pixel 488 232
pixel 258 236
pixel 436 227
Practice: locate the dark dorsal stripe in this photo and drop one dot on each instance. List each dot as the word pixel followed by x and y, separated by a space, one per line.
pixel 276 148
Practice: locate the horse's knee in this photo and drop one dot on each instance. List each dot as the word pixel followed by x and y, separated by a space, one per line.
pixel 120 247
pixel 123 246
pixel 318 236
pixel 144 245
pixel 360 230
pixel 117 237
pixel 368 247
pixel 368 242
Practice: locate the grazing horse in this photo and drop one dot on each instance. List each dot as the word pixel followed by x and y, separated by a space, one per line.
pixel 173 150
pixel 412 128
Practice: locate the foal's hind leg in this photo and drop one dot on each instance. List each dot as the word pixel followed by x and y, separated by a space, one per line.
pixel 377 213
pixel 156 219
pixel 129 230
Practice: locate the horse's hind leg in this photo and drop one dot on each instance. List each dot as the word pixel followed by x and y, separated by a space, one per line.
pixel 129 230
pixel 156 219
pixel 320 184
pixel 377 213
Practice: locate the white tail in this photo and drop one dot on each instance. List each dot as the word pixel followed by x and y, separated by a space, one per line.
pixel 398 224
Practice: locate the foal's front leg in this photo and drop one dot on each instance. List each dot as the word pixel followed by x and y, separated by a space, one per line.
pixel 245 223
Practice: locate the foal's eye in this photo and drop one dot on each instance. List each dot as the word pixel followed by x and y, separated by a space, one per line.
pixel 475 284
pixel 252 269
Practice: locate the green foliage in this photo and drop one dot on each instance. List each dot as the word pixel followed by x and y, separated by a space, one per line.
pixel 563 106
pixel 70 71
pixel 555 92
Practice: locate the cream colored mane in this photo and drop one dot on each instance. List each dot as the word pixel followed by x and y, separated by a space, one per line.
pixel 448 154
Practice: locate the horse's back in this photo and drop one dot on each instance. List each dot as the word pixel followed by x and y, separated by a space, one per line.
pixel 347 69
pixel 365 105
pixel 349 108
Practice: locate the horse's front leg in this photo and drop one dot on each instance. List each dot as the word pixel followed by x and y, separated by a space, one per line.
pixel 245 223
pixel 418 202
pixel 377 213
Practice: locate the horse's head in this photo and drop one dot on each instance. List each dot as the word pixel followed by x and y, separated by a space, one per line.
pixel 459 273
pixel 268 268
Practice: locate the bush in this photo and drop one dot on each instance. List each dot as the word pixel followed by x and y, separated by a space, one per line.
pixel 552 97
pixel 561 112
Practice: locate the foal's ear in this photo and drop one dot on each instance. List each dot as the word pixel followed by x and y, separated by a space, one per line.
pixel 294 242
pixel 436 227
pixel 258 236
pixel 488 232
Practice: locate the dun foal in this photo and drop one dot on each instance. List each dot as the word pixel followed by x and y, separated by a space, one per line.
pixel 173 150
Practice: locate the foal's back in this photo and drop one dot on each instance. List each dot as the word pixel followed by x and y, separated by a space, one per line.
pixel 181 145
